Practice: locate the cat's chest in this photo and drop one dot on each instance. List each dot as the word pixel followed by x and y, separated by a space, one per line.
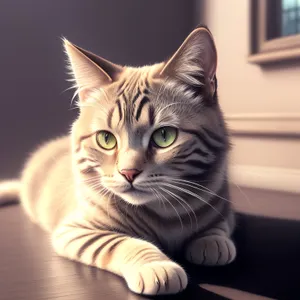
pixel 172 238
pixel 169 230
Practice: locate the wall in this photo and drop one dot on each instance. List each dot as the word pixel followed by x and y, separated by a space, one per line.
pixel 261 104
pixel 34 103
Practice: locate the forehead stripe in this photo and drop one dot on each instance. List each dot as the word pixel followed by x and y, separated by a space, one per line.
pixel 146 83
pixel 124 98
pixel 151 115
pixel 121 88
pixel 120 109
pixel 139 109
pixel 136 96
pixel 109 117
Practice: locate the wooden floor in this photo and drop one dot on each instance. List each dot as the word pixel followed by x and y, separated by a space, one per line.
pixel 268 265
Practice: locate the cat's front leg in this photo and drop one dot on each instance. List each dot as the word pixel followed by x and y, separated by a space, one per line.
pixel 212 248
pixel 144 267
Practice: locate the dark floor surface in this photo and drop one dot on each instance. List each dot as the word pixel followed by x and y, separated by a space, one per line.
pixel 268 264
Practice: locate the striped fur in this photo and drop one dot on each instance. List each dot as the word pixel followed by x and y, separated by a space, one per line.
pixel 177 206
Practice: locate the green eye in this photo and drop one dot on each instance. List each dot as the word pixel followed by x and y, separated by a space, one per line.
pixel 164 136
pixel 106 140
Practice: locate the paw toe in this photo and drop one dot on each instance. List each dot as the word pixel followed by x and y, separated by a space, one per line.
pixel 211 251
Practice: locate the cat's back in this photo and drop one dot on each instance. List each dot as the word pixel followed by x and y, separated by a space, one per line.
pixel 47 192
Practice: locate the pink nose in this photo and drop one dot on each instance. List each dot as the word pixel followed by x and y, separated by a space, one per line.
pixel 130 174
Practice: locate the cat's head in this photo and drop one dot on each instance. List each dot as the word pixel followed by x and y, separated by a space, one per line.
pixel 143 131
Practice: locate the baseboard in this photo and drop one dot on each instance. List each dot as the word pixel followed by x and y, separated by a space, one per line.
pixel 268 178
pixel 264 123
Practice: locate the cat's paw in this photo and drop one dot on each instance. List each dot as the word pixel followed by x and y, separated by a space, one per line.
pixel 156 278
pixel 211 250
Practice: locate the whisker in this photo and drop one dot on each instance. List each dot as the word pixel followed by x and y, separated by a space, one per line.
pixel 157 196
pixel 198 187
pixel 239 188
pixel 244 194
pixel 192 194
pixel 179 217
pixel 180 200
pixel 91 180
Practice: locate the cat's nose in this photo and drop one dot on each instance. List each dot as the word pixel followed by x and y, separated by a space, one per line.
pixel 130 174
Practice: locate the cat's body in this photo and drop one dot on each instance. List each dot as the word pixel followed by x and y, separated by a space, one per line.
pixel 111 197
pixel 49 206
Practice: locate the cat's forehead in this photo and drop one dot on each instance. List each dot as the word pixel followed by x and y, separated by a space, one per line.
pixel 133 81
pixel 132 104
pixel 136 81
pixel 140 100
pixel 133 99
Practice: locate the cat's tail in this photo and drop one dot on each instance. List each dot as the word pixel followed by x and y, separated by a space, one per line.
pixel 9 192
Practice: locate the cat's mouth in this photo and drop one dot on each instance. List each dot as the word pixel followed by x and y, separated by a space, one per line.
pixel 136 196
pixel 133 189
pixel 131 193
pixel 128 189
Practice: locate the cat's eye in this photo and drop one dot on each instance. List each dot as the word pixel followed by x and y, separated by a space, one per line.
pixel 106 140
pixel 164 136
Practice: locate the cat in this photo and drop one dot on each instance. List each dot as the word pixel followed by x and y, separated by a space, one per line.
pixel 142 176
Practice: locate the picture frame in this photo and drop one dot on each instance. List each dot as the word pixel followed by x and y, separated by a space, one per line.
pixel 265 46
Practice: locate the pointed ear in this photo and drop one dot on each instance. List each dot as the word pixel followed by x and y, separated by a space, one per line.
pixel 89 70
pixel 195 60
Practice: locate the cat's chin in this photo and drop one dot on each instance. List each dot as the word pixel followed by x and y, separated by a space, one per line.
pixel 137 197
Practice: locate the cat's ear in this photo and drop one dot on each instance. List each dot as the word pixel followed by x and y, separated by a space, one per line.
pixel 89 70
pixel 195 60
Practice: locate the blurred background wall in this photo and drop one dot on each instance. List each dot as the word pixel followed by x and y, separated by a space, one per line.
pixel 261 103
pixel 34 106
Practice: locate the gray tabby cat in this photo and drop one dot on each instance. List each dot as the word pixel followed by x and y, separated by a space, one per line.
pixel 142 175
